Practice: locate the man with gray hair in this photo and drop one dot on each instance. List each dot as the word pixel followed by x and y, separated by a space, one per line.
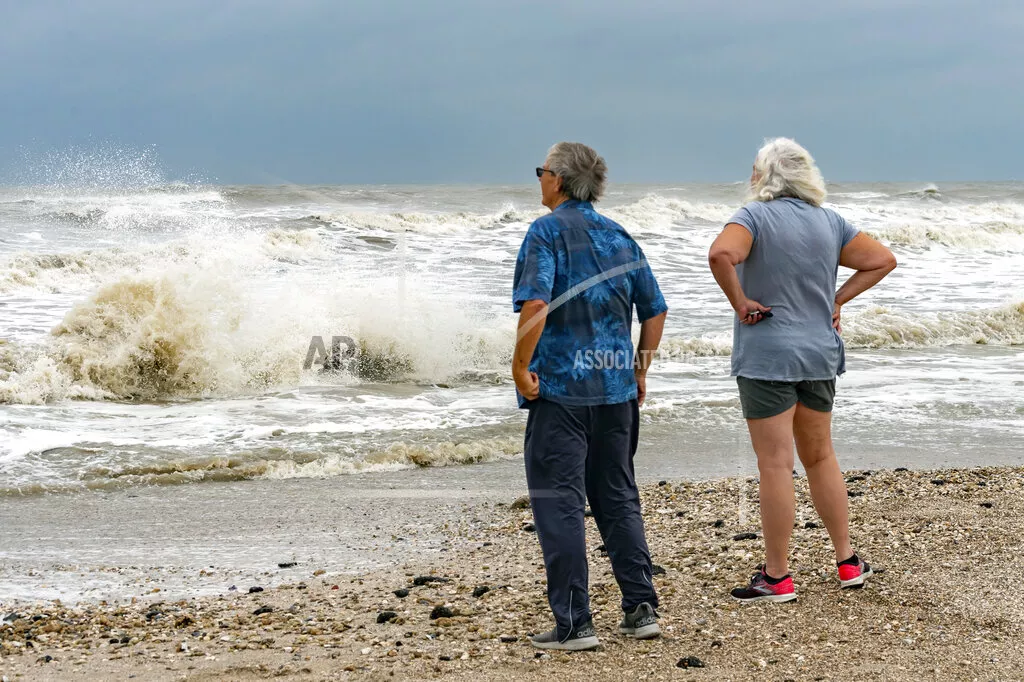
pixel 577 279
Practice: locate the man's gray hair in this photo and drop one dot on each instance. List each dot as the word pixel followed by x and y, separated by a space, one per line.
pixel 583 172
pixel 785 169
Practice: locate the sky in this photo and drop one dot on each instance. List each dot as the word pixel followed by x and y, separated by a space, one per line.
pixel 475 91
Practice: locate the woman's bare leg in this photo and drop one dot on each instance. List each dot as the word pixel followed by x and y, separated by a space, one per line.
pixel 812 431
pixel 772 439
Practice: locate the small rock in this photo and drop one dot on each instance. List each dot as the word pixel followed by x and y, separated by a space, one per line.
pixel 481 591
pixel 44 659
pixel 366 651
pixel 897 469
pixel 854 493
pixel 444 657
pixel 11 617
pixel 183 621
pixel 530 528
pixel 718 524
pixel 657 570
pixel 522 503
pixel 126 639
pixel 386 616
pixel 854 479
pixel 402 593
pixel 153 614
pixel 716 644
pixel 690 662
pixel 114 640
pixel 263 609
pixel 938 481
pixel 986 505
pixel 254 590
pixel 541 655
pixel 318 571
pixel 662 483
pixel 745 536
pixel 680 514
pixel 441 612
pixel 425 579
pixel 287 564
pixel 508 639
pixel 810 524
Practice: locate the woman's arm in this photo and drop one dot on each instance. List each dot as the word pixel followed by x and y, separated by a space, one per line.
pixel 729 250
pixel 872 261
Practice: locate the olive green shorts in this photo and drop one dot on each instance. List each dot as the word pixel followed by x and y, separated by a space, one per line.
pixel 762 399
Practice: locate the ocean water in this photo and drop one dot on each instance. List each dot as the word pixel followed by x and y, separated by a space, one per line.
pixel 155 333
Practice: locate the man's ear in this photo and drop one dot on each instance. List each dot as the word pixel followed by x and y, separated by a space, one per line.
pixel 558 184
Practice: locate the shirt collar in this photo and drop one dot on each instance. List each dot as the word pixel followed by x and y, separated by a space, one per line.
pixel 573 203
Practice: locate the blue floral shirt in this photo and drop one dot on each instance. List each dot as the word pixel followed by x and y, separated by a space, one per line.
pixel 592 274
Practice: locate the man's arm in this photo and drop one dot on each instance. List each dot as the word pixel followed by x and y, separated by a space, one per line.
pixel 651 330
pixel 532 319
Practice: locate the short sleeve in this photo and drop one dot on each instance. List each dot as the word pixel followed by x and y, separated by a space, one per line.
pixel 535 268
pixel 745 217
pixel 846 230
pixel 647 295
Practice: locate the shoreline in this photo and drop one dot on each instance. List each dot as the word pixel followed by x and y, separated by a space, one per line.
pixel 945 605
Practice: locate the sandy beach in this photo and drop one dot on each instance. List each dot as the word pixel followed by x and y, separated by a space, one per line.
pixel 945 604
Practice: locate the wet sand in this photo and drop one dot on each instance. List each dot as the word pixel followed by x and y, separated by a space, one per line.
pixel 945 606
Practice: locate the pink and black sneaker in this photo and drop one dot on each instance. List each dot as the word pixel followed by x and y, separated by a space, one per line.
pixel 853 572
pixel 763 587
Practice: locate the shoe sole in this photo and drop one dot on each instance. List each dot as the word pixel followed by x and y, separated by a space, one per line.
pixel 581 644
pixel 777 598
pixel 856 582
pixel 645 632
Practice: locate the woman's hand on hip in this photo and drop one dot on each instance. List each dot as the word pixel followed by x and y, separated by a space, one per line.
pixel 751 312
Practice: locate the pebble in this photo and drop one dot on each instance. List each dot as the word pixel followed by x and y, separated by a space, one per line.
pixel 481 591
pixel 745 536
pixel 254 590
pixel 401 594
pixel 718 524
pixel 690 662
pixel 530 528
pixel 386 616
pixel 441 612
pixel 287 564
pixel 426 579
pixel 521 503
pixel 263 609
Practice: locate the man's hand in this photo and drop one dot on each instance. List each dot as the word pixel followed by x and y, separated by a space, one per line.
pixel 528 384
pixel 750 311
pixel 641 387
pixel 837 316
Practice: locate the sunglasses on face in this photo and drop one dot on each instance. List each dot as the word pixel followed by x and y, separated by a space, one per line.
pixel 542 171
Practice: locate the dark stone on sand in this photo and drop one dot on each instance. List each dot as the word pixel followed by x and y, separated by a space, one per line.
pixel 745 536
pixel 488 544
pixel 680 514
pixel 986 505
pixel 444 657
pixel 114 640
pixel 854 493
pixel 45 659
pixel 660 483
pixel 854 479
pixel 11 617
pixel 716 644
pixel 287 564
pixel 398 643
pixel 232 588
pixel 530 528
pixel 153 614
pixel 125 639
pixel 508 639
pixel 183 621
pixel 719 524
pixel 522 503
pixel 402 593
pixel 898 469
pixel 657 570
pixel 441 612
pixel 690 662
pixel 421 580
pixel 386 616
pixel 938 481
pixel 254 590
pixel 263 609
pixel 481 591
pixel 982 483
pixel 810 524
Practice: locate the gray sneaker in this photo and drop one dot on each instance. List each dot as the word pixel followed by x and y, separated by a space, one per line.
pixel 582 638
pixel 642 623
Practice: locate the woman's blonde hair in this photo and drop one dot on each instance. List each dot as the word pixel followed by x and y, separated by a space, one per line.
pixel 785 169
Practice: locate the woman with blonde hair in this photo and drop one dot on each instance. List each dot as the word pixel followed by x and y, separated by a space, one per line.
pixel 777 261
